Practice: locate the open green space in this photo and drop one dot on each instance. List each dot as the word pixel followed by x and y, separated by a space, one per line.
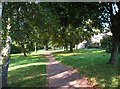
pixel 92 63
pixel 27 71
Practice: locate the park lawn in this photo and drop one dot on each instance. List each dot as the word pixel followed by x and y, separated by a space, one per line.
pixel 27 71
pixel 92 64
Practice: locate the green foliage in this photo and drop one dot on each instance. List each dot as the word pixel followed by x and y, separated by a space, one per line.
pixel 73 19
pixel 106 43
pixel 15 49
pixel 91 63
pixel 30 23
pixel 20 30
pixel 55 24
pixel 27 71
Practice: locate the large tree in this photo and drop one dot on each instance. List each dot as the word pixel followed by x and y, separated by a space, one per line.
pixel 115 29
pixel 111 15
pixel 20 30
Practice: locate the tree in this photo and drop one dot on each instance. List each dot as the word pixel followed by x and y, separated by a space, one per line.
pixel 32 22
pixel 6 55
pixel 111 11
pixel 19 26
pixel 73 16
pixel 115 29
pixel 46 22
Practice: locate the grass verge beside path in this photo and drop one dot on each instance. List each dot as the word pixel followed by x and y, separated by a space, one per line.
pixel 27 71
pixel 92 63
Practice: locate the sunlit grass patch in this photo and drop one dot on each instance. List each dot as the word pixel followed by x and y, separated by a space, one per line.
pixel 69 54
pixel 93 64
pixel 25 65
pixel 100 51
pixel 27 71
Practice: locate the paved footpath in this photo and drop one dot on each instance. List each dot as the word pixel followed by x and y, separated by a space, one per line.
pixel 61 75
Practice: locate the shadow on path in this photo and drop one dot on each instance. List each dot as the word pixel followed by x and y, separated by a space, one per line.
pixel 61 75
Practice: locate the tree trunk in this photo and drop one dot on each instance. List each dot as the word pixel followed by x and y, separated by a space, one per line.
pixel 114 53
pixel 5 61
pixel 46 44
pixel 114 26
pixel 66 46
pixel 23 49
pixel 35 49
pixel 25 53
pixel 5 73
pixel 46 47
pixel 71 47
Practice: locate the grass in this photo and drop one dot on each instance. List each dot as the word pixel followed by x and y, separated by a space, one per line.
pixel 27 71
pixel 92 63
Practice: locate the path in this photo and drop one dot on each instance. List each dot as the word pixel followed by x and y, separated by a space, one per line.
pixel 61 76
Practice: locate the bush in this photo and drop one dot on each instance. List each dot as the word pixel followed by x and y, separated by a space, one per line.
pixel 15 49
pixel 106 43
pixel 94 45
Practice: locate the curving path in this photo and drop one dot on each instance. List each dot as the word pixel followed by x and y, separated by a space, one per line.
pixel 61 75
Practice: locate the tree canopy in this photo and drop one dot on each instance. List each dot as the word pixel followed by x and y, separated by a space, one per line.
pixel 59 24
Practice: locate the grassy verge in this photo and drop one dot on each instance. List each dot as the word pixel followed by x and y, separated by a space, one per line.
pixel 27 71
pixel 92 63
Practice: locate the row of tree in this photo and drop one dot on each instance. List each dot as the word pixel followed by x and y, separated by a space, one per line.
pixel 62 24
pixel 49 23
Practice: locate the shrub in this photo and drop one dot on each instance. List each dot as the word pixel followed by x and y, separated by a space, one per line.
pixel 106 43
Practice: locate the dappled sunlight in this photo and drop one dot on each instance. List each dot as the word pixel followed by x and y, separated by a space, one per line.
pixel 29 77
pixel 17 55
pixel 98 51
pixel 46 51
pixel 69 54
pixel 26 65
pixel 70 78
pixel 91 82
pixel 81 52
pixel 63 75
pixel 27 71
pixel 56 62
pixel 20 59
pixel 81 82
pixel 115 82
pixel 27 80
pixel 93 79
pixel 32 76
pixel 92 63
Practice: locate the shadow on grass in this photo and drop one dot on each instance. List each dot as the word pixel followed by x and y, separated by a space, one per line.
pixel 27 71
pixel 28 77
pixel 20 59
pixel 92 63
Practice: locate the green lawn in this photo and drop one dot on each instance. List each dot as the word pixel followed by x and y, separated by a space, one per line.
pixel 92 64
pixel 27 71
